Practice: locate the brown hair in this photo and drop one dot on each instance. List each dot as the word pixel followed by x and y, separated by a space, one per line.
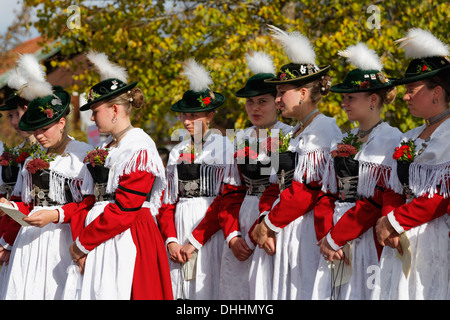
pixel 318 88
pixel 133 98
pixel 441 80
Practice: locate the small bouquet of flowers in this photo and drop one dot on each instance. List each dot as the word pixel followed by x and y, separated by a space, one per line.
pixel 405 152
pixel 40 161
pixel 38 166
pixel 95 162
pixel 246 152
pixel 345 164
pixel 348 148
pixel 96 157
pixel 187 155
pixel 278 144
pixel 186 168
pixel 405 156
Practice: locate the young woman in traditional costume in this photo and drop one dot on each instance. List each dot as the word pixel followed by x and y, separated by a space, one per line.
pixel 420 228
pixel 358 172
pixel 195 171
pixel 51 177
pixel 15 105
pixel 238 206
pixel 119 250
pixel 288 230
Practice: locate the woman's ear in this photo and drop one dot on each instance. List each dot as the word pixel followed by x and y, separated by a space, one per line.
pixel 62 124
pixel 210 115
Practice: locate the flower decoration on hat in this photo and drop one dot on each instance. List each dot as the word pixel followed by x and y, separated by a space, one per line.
pixel 429 55
pixel 199 97
pixel 113 79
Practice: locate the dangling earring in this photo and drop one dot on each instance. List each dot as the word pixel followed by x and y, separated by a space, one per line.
pixel 434 101
pixel 301 101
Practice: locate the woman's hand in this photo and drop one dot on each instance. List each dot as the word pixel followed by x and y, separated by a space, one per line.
pixel 3 200
pixel 264 237
pixel 78 256
pixel 329 253
pixel 186 251
pixel 174 250
pixel 240 248
pixel 42 218
pixel 386 234
pixel 4 256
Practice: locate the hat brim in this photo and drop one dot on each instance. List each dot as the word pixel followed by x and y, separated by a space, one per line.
pixel 419 77
pixel 242 93
pixel 28 122
pixel 10 103
pixel 183 106
pixel 121 90
pixel 306 78
pixel 339 88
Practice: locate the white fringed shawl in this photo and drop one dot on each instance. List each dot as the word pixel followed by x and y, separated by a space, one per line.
pixel 67 167
pixel 375 160
pixel 216 152
pixel 431 168
pixel 122 160
pixel 232 172
pixel 313 148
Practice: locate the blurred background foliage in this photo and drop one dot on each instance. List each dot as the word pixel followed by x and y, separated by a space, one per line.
pixel 151 38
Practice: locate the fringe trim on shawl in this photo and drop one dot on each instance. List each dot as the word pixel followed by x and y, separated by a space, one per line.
pixel 56 192
pixel 424 179
pixel 370 175
pixel 211 178
pixel 56 188
pixel 311 165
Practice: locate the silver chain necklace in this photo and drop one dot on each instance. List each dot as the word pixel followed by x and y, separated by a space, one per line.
pixel 363 133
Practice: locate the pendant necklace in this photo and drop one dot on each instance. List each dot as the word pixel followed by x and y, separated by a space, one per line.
pixel 437 118
pixel 363 133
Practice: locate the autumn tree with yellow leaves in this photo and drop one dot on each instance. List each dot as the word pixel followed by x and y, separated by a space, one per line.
pixel 151 38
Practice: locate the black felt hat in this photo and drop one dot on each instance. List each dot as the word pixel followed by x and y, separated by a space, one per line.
pixel 45 110
pixel 430 56
pixel 199 97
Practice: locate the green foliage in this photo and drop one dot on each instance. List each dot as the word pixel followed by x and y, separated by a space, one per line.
pixel 151 38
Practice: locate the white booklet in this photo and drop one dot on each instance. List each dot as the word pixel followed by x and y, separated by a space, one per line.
pixel 190 267
pixel 14 214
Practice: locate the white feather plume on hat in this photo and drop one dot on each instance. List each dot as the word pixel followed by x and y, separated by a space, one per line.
pixel 362 57
pixel 29 78
pixel 259 62
pixel 297 47
pixel 199 78
pixel 420 43
pixel 106 68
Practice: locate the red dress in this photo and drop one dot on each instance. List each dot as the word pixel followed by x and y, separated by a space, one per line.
pixel 151 279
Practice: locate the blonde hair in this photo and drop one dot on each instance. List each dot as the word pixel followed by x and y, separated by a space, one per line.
pixel 133 98
pixel 386 96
